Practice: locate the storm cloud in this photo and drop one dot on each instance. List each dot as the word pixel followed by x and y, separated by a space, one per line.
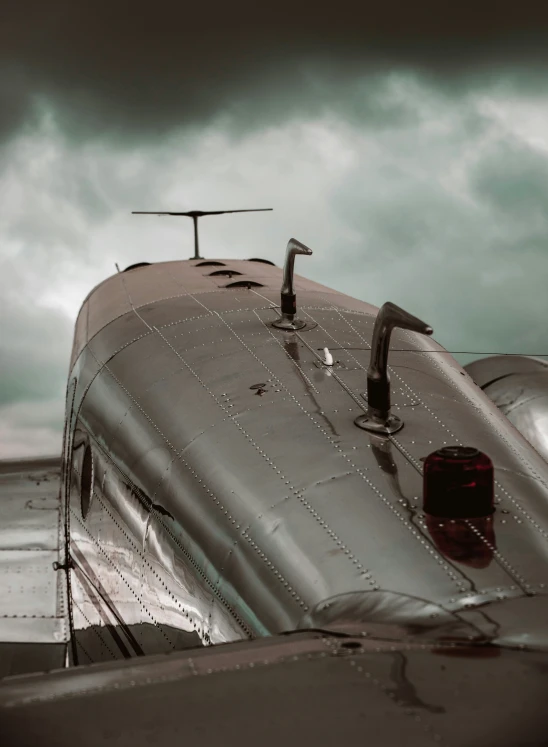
pixel 409 152
pixel 129 72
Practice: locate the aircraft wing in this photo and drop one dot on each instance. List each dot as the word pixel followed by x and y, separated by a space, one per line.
pixel 305 688
pixel 33 615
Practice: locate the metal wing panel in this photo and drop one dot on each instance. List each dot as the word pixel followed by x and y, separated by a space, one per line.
pixel 27 583
pixel 32 591
pixel 306 688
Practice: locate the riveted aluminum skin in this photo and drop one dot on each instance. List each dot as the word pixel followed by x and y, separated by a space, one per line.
pixel 310 687
pixel 34 625
pixel 232 496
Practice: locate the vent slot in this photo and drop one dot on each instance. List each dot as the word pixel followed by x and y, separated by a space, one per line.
pixel 137 264
pixel 244 284
pixel 225 273
pixel 264 261
pixel 210 264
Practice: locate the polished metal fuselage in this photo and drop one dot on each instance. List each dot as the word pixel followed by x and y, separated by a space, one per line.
pixel 232 496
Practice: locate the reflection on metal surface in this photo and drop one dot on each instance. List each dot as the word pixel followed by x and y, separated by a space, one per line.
pixel 518 385
pixel 233 495
pixel 382 450
pixel 402 692
pixel 378 417
pixel 403 689
pixel 288 320
pixel 291 346
pixel 494 367
pixel 468 541
pixel 458 483
pixel 33 616
pixel 86 487
pixel 388 616
pixel 232 498
pixel 125 572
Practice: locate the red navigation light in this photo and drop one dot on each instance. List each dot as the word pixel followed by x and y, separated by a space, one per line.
pixel 458 483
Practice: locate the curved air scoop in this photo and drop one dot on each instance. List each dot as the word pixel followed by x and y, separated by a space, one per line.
pixel 288 303
pixel 378 418
pixel 518 386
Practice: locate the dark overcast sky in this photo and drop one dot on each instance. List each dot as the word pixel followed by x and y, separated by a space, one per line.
pixel 139 69
pixel 406 142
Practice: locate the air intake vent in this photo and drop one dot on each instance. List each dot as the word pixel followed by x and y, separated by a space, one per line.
pixel 137 264
pixel 226 273
pixel 210 264
pixel 244 284
pixel 264 261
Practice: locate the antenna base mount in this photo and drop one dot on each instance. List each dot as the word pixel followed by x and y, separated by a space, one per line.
pixel 382 427
pixel 289 322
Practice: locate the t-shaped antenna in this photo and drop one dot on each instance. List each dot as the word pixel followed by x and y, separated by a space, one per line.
pixel 195 214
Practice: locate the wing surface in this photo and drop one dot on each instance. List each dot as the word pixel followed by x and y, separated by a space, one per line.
pixel 34 615
pixel 307 688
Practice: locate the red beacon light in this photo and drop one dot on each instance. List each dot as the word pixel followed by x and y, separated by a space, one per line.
pixel 458 483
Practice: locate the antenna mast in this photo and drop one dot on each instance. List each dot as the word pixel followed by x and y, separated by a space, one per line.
pixel 195 214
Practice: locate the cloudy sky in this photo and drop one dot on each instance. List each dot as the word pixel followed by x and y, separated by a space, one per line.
pixel 406 144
